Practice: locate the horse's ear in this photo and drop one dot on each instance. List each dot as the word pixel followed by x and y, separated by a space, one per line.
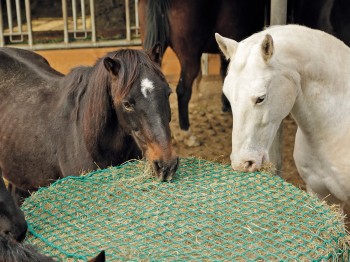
pixel 100 258
pixel 228 46
pixel 111 65
pixel 156 53
pixel 267 47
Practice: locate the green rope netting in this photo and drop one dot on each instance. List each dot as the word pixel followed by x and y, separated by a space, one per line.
pixel 207 213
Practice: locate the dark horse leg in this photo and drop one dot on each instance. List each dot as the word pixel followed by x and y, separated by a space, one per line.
pixel 189 70
pixel 184 91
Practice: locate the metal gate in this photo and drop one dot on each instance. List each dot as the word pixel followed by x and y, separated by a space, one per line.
pixel 77 25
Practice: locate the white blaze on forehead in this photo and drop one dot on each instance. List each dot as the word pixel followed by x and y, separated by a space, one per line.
pixel 146 86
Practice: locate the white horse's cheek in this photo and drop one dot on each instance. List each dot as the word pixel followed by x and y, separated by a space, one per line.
pixel 265 119
pixel 226 92
pixel 233 146
pixel 228 85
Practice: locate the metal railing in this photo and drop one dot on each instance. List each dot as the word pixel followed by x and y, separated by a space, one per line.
pixel 79 29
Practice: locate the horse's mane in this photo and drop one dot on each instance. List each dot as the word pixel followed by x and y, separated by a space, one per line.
pixel 11 251
pixel 157 24
pixel 75 84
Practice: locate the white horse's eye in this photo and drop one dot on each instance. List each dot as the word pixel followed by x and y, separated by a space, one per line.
pixel 260 99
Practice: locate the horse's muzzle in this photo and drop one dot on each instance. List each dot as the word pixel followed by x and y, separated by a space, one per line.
pixel 15 232
pixel 165 169
pixel 21 235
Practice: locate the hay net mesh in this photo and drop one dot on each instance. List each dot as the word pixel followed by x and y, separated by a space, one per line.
pixel 207 213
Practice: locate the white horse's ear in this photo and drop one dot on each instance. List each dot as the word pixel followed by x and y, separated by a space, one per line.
pixel 227 45
pixel 267 47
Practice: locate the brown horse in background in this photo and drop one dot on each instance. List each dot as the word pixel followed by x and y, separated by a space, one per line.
pixel 331 16
pixel 188 27
pixel 53 126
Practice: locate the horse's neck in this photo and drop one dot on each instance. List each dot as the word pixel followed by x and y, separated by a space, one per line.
pixel 84 100
pixel 72 91
pixel 324 93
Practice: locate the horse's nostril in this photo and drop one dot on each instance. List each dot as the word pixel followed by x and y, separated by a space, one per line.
pixel 249 165
pixel 158 165
pixel 176 164
pixel 165 169
pixel 22 236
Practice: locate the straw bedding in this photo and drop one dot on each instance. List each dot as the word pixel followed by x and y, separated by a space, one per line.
pixel 208 212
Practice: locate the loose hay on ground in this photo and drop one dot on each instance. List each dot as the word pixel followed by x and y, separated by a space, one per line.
pixel 208 212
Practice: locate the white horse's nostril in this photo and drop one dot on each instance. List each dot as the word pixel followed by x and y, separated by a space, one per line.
pixel 249 166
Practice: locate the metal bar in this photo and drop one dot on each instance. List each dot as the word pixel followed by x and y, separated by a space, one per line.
pixel 29 23
pixel 278 12
pixel 65 21
pixel 14 34
pixel 19 16
pixel 74 11
pixel 83 16
pixel 83 21
pixel 9 15
pixel 19 21
pixel 278 17
pixel 127 20
pixel 2 39
pixel 92 17
pixel 79 31
pixel 74 45
pixel 137 21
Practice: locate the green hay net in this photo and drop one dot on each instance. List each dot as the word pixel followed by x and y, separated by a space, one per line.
pixel 207 213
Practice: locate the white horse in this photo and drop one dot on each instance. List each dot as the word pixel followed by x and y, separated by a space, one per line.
pixel 298 70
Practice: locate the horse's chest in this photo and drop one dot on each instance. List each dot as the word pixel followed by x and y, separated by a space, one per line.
pixel 324 167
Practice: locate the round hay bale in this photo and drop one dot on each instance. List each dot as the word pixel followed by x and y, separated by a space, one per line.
pixel 208 212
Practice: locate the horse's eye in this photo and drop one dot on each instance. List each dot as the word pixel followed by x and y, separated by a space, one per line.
pixel 260 99
pixel 128 106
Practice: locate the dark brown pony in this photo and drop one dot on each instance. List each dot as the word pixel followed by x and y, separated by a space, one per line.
pixel 13 251
pixel 12 221
pixel 53 126
pixel 13 228
pixel 188 27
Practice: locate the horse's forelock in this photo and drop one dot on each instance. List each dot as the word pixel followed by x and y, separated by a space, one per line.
pixel 132 63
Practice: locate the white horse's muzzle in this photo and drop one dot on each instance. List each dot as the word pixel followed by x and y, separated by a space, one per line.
pixel 249 161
